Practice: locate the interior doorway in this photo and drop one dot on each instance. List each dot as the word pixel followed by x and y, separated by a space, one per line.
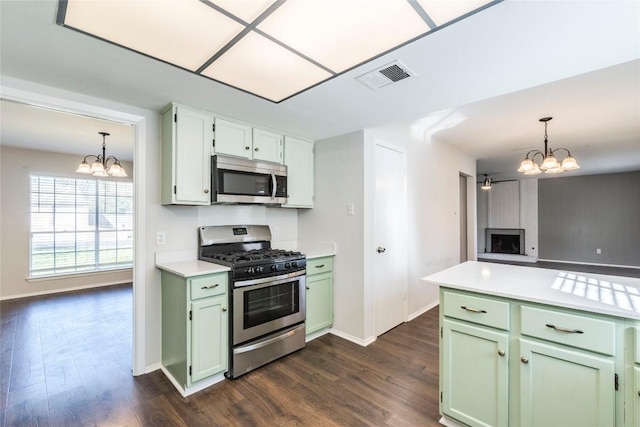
pixel 390 217
pixel 42 101
pixel 464 241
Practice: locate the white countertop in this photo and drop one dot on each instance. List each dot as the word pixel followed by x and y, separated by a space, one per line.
pixel 597 293
pixel 191 268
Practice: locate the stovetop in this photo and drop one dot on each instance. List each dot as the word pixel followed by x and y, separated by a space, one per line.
pixel 253 257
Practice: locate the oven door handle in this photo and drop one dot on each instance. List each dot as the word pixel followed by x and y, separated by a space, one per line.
pixel 270 280
pixel 264 343
pixel 274 182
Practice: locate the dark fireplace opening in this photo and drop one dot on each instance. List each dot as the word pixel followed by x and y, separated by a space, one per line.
pixel 505 244
pixel 505 241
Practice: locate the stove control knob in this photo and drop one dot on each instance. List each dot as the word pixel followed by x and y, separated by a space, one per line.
pixel 259 269
pixel 294 264
pixel 250 270
pixel 287 265
pixel 274 267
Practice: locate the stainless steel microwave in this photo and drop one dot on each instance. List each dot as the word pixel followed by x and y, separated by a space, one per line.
pixel 236 180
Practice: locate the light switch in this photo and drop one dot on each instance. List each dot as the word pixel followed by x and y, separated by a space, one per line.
pixel 350 209
pixel 161 238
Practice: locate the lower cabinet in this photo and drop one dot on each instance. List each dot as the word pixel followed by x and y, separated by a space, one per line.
pixel 636 395
pixel 194 327
pixel 565 387
pixel 476 371
pixel 319 298
pixel 506 362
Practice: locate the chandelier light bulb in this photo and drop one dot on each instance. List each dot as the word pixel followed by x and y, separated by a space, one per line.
pixel 526 165
pixel 535 171
pixel 84 168
pixel 569 163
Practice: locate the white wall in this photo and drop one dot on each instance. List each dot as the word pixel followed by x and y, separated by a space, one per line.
pixel 339 180
pixel 16 166
pixel 344 174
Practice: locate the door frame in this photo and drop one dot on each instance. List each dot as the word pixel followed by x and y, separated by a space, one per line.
pixel 371 248
pixel 139 190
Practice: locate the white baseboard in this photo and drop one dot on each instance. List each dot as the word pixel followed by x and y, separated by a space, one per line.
pixel 152 368
pixel 446 421
pixel 423 310
pixel 590 263
pixel 317 334
pixel 201 385
pixel 59 291
pixel 355 340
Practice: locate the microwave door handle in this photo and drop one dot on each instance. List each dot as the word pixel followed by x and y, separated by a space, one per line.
pixel 274 181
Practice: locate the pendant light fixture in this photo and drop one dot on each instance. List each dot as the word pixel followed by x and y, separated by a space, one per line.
pixel 486 184
pixel 549 163
pixel 100 167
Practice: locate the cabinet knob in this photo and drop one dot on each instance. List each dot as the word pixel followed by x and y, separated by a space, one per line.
pixel 224 308
pixel 256 149
pixel 246 148
pixel 524 359
pixel 308 287
pixel 206 191
pixel 501 352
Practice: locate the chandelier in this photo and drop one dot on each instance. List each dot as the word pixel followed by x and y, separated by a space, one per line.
pixel 549 162
pixel 486 184
pixel 100 167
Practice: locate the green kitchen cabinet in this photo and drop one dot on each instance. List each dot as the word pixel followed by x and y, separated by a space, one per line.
pixel 475 371
pixel 319 297
pixel 194 327
pixel 187 138
pixel 565 387
pixel 507 362
pixel 299 159
pixel 242 140
pixel 636 396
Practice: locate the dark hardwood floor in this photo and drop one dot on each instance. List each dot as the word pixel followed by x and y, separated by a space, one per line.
pixel 66 360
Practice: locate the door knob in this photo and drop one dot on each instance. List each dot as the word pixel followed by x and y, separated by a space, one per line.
pixel 381 249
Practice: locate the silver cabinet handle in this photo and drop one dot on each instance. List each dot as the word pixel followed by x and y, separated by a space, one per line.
pixel 524 359
pixel 501 352
pixel 473 310
pixel 381 249
pixel 308 288
pixel 210 286
pixel 224 308
pixel 206 191
pixel 320 266
pixel 567 330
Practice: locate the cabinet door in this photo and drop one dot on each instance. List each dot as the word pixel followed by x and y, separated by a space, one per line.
pixel 233 139
pixel 475 374
pixel 267 146
pixel 192 151
pixel 565 387
pixel 298 156
pixel 209 337
pixel 319 301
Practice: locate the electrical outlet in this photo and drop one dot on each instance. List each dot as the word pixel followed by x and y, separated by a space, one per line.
pixel 350 209
pixel 161 238
pixel 598 251
pixel 276 231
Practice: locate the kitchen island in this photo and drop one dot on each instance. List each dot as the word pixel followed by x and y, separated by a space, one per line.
pixel 524 346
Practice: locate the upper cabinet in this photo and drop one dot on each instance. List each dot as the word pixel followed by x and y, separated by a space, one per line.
pixel 241 140
pixel 298 156
pixel 187 137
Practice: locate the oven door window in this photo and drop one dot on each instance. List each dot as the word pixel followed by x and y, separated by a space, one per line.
pixel 270 303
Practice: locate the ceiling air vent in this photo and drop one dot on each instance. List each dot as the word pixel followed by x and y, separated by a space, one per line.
pixel 386 75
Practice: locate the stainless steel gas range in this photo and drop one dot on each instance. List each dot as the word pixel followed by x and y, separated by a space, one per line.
pixel 267 297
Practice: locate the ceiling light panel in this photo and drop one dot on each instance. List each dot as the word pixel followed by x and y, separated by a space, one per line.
pixel 245 10
pixel 184 33
pixel 443 11
pixel 257 65
pixel 340 34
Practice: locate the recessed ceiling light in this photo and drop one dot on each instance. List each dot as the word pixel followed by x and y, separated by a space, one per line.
pixel 274 49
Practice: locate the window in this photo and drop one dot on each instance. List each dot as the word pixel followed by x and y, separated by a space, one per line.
pixel 80 225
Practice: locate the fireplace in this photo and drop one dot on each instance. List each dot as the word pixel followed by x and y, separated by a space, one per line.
pixel 504 241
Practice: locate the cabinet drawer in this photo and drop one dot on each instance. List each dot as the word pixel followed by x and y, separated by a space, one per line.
pixel 319 265
pixel 577 331
pixel 483 311
pixel 207 286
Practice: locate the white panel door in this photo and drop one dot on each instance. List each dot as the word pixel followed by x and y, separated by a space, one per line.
pixel 390 266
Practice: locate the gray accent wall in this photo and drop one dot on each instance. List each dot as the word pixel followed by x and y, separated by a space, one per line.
pixel 579 215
